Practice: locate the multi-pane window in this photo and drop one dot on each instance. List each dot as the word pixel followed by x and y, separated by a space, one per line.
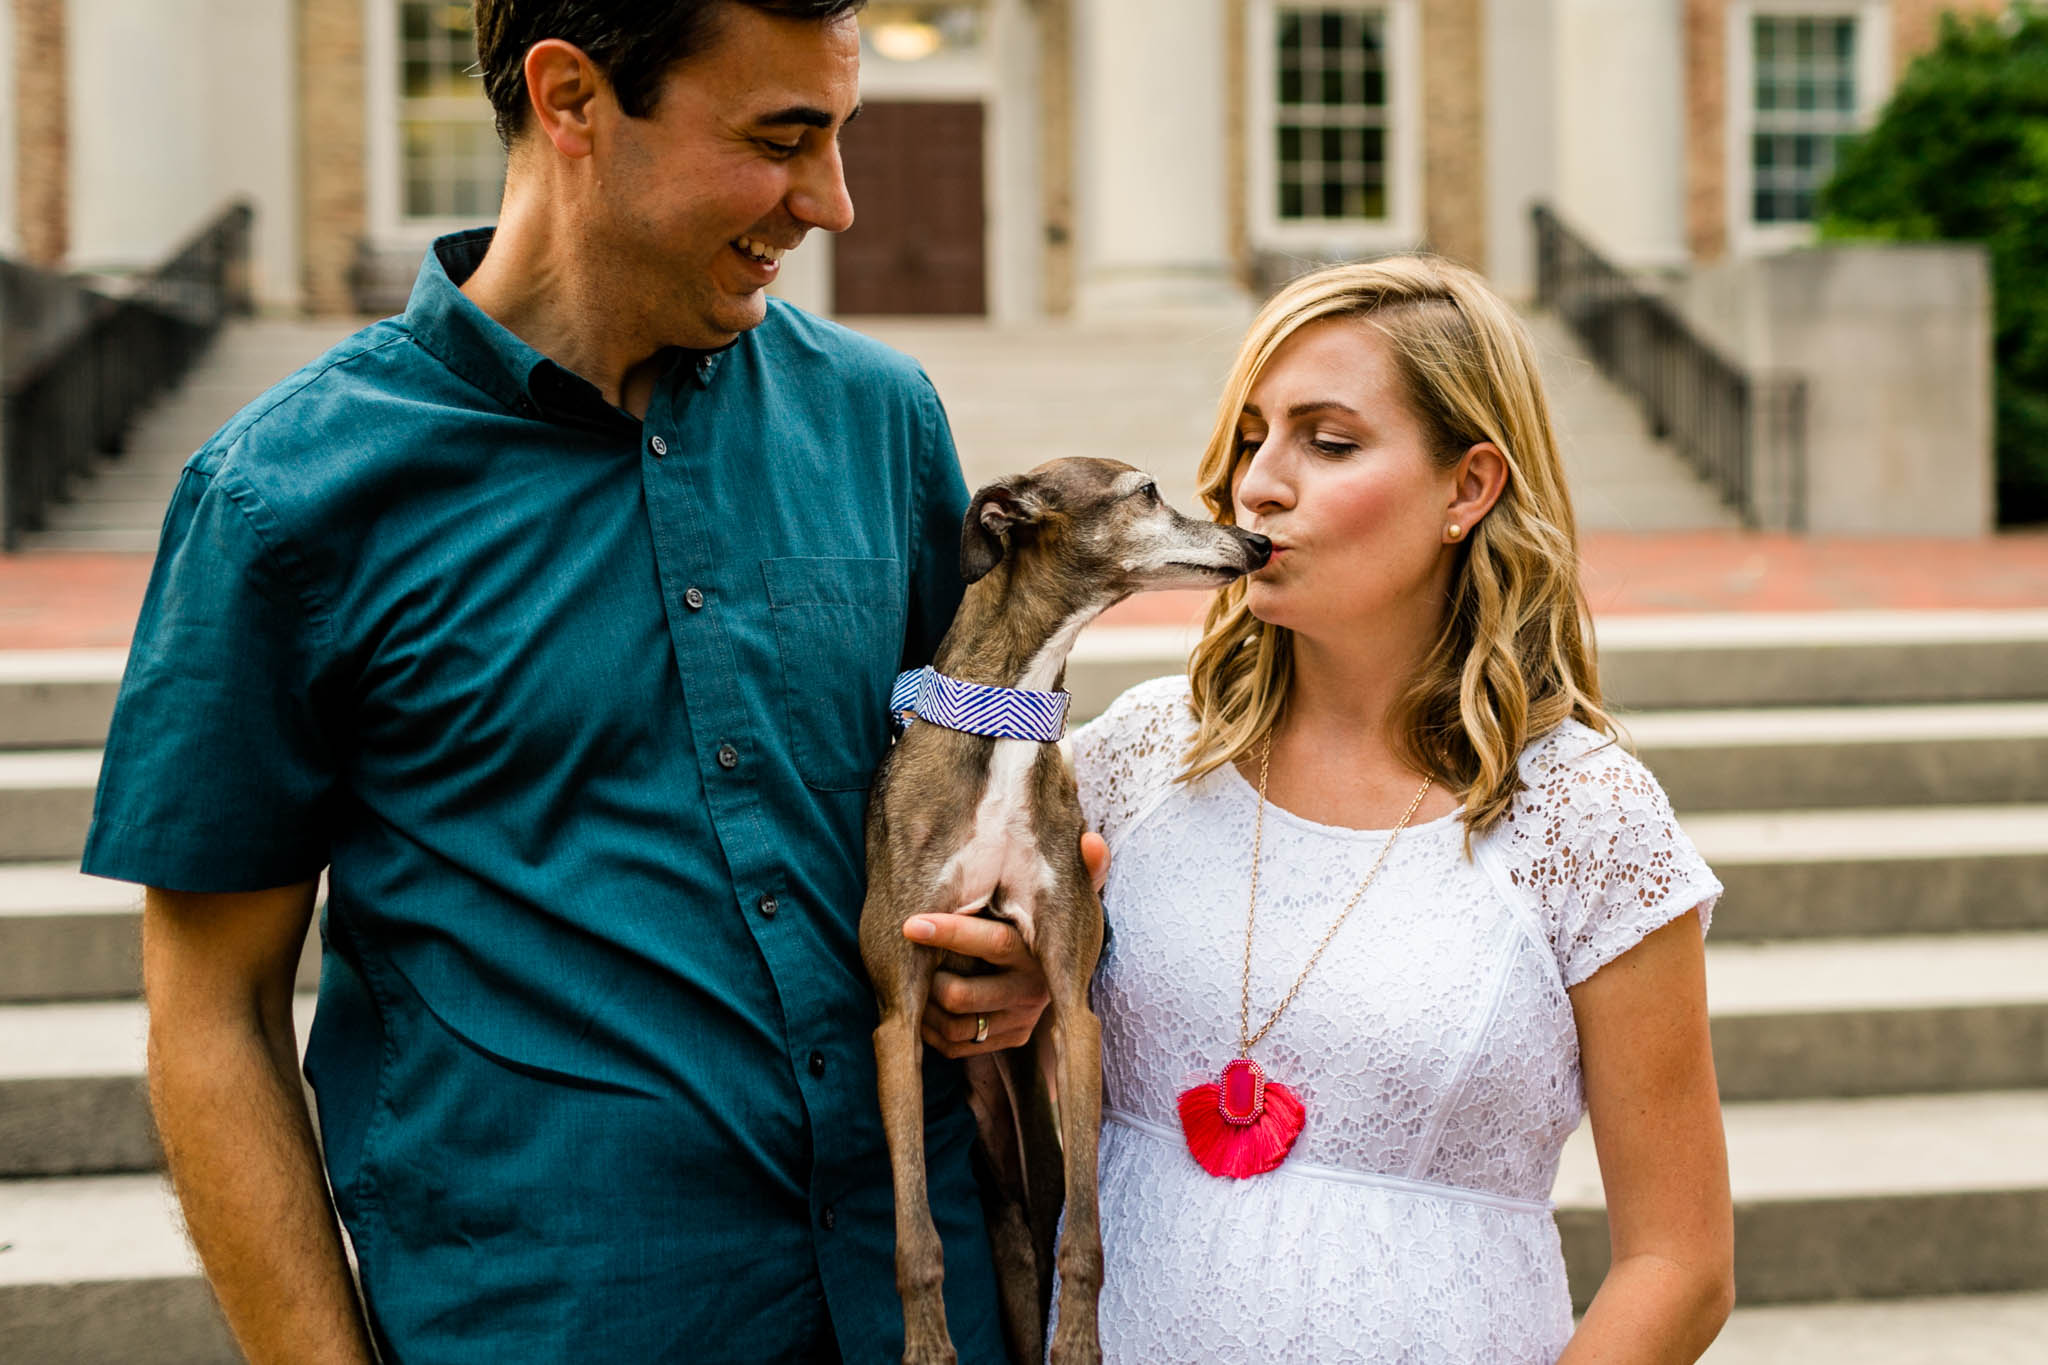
pixel 1805 103
pixel 1332 115
pixel 450 163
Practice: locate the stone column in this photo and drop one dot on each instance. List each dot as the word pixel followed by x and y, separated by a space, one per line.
pixel 1454 129
pixel 42 124
pixel 1621 127
pixel 1056 154
pixel 1150 181
pixel 332 122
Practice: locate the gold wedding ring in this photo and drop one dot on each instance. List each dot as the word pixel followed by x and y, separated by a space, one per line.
pixel 981 1028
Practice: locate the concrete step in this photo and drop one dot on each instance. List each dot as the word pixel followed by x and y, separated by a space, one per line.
pixel 73 1098
pixel 1798 1020
pixel 1886 1016
pixel 67 936
pixel 1980 1329
pixel 1711 660
pixel 129 541
pixel 1850 1199
pixel 1910 870
pixel 53 697
pixel 46 802
pixel 1823 658
pixel 1864 1198
pixel 109 510
pixel 1800 758
pixel 97 1271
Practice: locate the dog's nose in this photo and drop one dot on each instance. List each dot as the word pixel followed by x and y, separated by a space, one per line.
pixel 1260 549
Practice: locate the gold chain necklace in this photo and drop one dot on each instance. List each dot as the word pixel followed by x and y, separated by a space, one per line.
pixel 1243 1124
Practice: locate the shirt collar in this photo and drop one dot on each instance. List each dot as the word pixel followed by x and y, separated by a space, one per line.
pixel 482 351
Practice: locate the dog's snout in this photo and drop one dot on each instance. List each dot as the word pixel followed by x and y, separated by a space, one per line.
pixel 1258 549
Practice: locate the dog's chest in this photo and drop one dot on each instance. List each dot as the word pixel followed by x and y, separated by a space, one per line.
pixel 1001 859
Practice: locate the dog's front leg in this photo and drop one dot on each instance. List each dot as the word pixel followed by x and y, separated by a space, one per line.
pixel 899 1056
pixel 1069 962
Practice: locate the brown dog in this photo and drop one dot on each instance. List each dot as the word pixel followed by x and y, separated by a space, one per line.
pixel 968 824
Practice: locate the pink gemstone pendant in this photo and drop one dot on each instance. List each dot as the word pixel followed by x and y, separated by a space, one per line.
pixel 1241 1098
pixel 1240 1124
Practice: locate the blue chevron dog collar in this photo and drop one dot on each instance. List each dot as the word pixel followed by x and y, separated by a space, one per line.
pixel 976 709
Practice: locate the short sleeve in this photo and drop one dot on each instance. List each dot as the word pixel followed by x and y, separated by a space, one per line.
pixel 1593 845
pixel 1126 759
pixel 217 774
pixel 941 505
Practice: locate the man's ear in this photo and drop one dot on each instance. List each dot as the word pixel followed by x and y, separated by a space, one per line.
pixel 562 86
pixel 985 534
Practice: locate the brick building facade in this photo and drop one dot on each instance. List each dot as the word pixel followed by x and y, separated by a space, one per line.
pixel 1128 154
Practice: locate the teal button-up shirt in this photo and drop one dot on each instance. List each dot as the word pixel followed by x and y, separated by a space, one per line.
pixel 579 712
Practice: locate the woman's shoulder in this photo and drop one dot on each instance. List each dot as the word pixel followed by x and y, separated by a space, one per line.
pixel 1129 755
pixel 1155 709
pixel 1576 764
pixel 1580 788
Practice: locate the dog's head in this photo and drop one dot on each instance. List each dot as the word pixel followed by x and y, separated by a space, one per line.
pixel 1103 524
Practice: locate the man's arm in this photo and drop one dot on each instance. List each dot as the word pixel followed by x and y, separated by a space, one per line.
pixel 224 1085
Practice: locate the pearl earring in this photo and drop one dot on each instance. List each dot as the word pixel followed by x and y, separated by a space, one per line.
pixel 1456 530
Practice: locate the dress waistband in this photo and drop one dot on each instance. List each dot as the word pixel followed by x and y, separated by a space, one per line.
pixel 1310 1171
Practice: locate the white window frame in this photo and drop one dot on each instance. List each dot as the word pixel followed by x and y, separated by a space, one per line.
pixel 389 227
pixel 1746 237
pixel 1401 229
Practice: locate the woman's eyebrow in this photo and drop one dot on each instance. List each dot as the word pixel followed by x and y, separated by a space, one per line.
pixel 1321 405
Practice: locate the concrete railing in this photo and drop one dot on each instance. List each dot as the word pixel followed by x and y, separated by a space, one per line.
pixel 1894 343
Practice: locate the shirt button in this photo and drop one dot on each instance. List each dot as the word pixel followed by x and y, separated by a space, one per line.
pixel 728 757
pixel 817 1063
pixel 658 446
pixel 694 599
pixel 767 906
pixel 827 1219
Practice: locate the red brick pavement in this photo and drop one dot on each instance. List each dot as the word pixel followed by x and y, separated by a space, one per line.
pixel 75 600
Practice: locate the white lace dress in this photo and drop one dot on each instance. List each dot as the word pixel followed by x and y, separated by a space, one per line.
pixel 1433 1046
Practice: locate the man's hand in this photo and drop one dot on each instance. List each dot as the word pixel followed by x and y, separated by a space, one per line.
pixel 1010 998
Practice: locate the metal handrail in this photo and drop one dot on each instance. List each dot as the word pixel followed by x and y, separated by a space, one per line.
pixel 1742 430
pixel 77 363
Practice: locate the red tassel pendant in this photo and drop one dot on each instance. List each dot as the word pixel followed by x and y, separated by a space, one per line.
pixel 1241 1125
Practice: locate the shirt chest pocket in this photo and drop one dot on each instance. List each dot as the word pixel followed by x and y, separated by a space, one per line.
pixel 839 628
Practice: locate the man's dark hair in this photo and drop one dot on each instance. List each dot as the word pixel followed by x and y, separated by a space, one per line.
pixel 633 42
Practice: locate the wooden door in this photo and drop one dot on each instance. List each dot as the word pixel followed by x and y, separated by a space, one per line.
pixel 914 170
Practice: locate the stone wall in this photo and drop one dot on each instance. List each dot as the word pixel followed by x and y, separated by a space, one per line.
pixel 332 177
pixel 1894 345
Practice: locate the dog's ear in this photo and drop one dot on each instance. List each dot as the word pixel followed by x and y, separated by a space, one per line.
pixel 985 534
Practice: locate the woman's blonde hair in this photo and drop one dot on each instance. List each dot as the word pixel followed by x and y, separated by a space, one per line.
pixel 1514 657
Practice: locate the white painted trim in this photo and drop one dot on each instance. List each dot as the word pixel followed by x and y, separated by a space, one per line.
pixel 388 227
pixel 1402 228
pixel 1873 88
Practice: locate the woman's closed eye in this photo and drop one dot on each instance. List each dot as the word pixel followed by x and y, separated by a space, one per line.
pixel 1327 443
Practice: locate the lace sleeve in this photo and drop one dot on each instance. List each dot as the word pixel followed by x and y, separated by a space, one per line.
pixel 1593 844
pixel 1125 759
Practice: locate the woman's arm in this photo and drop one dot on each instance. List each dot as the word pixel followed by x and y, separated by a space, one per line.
pixel 1656 1114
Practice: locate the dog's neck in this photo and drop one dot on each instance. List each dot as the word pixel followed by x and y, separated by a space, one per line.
pixel 1015 628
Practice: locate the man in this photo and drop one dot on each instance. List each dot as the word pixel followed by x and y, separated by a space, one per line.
pixel 555 619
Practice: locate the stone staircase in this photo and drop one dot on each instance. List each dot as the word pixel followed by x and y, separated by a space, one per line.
pixel 1017 396
pixel 1873 789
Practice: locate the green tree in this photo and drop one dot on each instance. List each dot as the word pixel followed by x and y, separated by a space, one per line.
pixel 1961 153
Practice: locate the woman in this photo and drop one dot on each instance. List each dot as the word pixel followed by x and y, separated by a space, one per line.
pixel 1458 913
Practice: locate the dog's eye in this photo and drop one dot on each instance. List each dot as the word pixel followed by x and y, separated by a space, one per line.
pixel 1150 492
